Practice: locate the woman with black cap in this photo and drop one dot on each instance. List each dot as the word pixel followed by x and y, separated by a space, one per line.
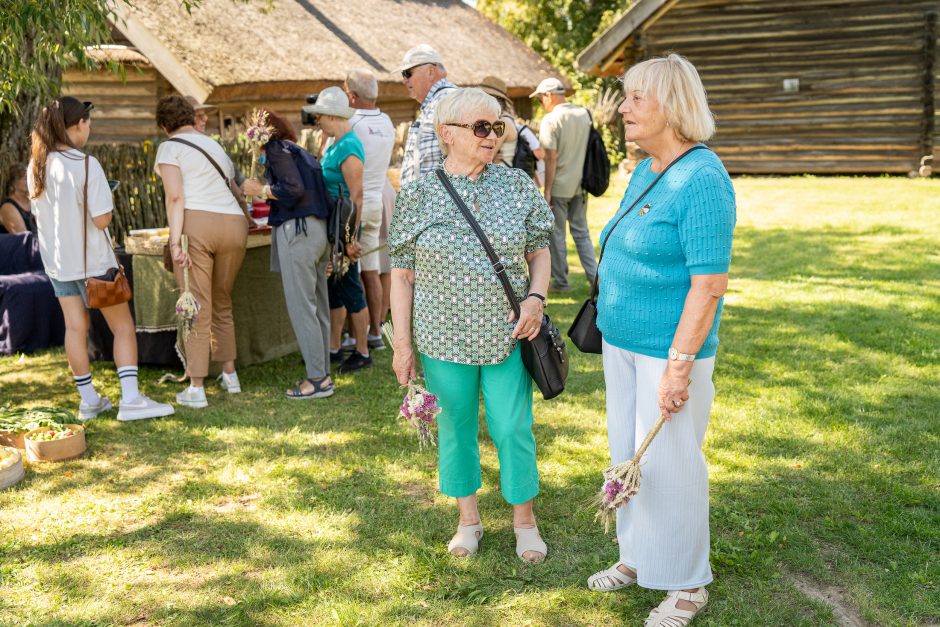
pixel 74 245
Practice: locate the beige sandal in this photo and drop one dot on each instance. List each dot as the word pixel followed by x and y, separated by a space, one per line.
pixel 530 540
pixel 668 615
pixel 610 580
pixel 467 538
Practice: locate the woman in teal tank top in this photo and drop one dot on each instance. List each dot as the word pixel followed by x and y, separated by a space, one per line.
pixel 664 271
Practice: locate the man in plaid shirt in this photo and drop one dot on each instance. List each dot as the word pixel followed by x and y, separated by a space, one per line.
pixel 422 71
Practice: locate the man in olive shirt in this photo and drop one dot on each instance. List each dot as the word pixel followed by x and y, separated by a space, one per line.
pixel 564 135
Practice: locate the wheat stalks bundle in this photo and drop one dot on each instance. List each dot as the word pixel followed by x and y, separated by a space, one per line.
pixel 622 481
pixel 187 306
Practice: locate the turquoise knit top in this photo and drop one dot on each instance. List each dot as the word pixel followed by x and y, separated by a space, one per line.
pixel 683 226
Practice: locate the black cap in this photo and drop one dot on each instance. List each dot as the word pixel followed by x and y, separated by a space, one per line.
pixel 73 110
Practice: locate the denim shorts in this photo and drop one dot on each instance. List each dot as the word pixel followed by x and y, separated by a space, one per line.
pixel 347 291
pixel 69 288
pixel 77 287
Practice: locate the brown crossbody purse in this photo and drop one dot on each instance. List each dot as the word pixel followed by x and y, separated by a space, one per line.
pixel 102 292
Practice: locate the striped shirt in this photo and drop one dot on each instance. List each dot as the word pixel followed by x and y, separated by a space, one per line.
pixel 422 150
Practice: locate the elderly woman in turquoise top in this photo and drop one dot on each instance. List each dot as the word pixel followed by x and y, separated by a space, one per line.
pixel 463 324
pixel 663 275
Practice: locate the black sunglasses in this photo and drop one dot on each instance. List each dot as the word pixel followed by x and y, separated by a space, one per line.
pixel 482 128
pixel 406 74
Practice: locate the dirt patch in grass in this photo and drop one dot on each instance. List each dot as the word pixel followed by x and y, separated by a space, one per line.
pixel 835 597
pixel 241 503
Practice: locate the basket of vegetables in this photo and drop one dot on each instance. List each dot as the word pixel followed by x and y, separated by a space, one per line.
pixel 15 423
pixel 55 444
pixel 11 467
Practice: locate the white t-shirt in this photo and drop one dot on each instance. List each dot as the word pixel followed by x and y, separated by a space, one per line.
pixel 377 134
pixel 203 188
pixel 60 212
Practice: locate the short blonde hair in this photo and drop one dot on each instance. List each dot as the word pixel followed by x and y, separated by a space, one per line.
pixel 457 104
pixel 675 83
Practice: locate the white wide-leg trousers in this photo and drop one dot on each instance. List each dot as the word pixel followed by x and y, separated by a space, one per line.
pixel 663 531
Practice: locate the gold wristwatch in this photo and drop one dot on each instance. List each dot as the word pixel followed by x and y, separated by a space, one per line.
pixel 675 355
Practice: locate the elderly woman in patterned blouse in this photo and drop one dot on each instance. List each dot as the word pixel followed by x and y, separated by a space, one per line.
pixel 464 328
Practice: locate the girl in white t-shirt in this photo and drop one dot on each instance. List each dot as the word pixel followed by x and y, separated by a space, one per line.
pixel 56 179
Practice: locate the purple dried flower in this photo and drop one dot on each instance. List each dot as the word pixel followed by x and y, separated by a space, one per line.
pixel 611 490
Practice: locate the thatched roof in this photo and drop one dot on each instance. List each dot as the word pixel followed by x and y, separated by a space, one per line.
pixel 117 53
pixel 224 45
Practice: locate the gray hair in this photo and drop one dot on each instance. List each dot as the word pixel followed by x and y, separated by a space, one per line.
pixel 363 84
pixel 456 105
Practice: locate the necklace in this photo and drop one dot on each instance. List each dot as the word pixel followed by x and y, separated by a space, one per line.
pixel 675 154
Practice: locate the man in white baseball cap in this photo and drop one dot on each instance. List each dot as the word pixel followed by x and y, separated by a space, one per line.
pixel 564 135
pixel 425 78
pixel 549 86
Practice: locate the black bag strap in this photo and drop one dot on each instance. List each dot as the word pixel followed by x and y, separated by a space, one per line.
pixel 629 209
pixel 498 266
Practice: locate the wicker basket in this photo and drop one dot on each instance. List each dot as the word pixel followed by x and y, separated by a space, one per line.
pixel 56 450
pixel 12 474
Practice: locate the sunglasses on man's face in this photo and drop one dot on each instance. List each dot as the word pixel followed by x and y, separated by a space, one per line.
pixel 406 74
pixel 482 128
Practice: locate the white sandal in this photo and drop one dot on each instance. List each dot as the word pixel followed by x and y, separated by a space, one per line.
pixel 467 538
pixel 610 580
pixel 530 540
pixel 668 615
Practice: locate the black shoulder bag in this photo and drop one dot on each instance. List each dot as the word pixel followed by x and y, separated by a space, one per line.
pixel 340 232
pixel 584 332
pixel 545 357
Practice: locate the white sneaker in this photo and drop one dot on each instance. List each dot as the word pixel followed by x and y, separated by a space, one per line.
pixel 376 343
pixel 193 397
pixel 86 412
pixel 229 383
pixel 142 408
pixel 348 342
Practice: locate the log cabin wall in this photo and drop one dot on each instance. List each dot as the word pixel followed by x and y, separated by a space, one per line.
pixel 867 75
pixel 124 111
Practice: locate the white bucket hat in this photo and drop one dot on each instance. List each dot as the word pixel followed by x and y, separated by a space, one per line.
pixel 332 101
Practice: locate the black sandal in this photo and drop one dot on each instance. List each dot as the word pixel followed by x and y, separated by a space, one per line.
pixel 319 390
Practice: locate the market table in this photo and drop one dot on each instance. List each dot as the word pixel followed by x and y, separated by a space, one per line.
pixel 262 327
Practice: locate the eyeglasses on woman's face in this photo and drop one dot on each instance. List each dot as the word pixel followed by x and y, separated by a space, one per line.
pixel 482 128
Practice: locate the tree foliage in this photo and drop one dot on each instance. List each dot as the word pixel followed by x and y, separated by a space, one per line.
pixel 40 38
pixel 557 29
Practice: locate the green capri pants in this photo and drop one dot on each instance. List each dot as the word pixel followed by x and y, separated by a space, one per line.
pixel 507 399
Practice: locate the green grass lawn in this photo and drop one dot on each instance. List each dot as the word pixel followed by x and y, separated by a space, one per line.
pixel 824 450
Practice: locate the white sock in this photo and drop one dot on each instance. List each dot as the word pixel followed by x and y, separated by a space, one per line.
pixel 128 377
pixel 86 389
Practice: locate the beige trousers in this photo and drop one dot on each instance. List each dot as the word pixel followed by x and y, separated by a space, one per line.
pixel 217 249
